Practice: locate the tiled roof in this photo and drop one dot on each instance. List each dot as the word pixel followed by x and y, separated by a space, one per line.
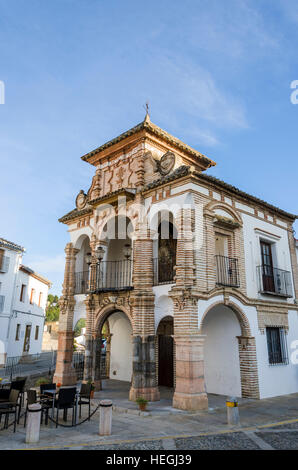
pixel 75 213
pixel 235 190
pixel 183 170
pixel 31 272
pixel 154 129
pixel 10 245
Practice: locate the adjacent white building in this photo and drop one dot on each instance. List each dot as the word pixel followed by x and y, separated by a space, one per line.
pixel 23 299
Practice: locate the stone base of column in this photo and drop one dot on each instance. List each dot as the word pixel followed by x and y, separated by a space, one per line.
pixel 186 401
pixel 190 393
pixel 144 369
pixel 150 394
pixel 65 373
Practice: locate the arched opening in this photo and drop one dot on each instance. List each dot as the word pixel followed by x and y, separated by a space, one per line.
pixel 82 268
pixel 165 248
pixel 165 332
pixel 221 351
pixel 114 357
pixel 115 269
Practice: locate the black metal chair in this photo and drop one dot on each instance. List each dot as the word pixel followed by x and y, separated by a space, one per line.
pixel 14 385
pixel 10 407
pixel 65 400
pixel 45 406
pixel 85 397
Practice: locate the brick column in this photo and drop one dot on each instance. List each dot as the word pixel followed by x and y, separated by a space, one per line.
pixel 144 365
pixel 248 367
pixel 65 373
pixel 190 391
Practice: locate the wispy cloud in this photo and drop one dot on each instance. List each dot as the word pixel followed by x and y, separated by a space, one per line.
pixel 48 264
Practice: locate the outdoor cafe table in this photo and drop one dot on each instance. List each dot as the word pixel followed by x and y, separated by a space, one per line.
pixel 53 393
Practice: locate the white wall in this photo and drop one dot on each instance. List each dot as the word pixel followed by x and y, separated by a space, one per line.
pixel 25 313
pixel 281 254
pixel 221 353
pixel 121 347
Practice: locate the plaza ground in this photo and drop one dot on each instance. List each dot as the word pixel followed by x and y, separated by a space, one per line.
pixel 265 424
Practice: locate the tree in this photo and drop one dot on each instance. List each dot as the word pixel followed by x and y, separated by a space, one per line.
pixel 81 323
pixel 52 309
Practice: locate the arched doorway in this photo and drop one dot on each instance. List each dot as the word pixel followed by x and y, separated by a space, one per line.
pixel 165 333
pixel 221 351
pixel 113 350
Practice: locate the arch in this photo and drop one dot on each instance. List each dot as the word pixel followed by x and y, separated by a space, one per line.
pixel 104 313
pixel 80 240
pixel 242 318
pixel 163 308
pixel 213 205
pixel 107 216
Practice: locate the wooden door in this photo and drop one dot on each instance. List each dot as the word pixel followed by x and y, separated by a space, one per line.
pixel 27 338
pixel 165 360
pixel 267 267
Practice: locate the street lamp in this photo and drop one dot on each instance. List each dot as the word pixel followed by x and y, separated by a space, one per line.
pixel 99 253
pixel 88 259
pixel 127 251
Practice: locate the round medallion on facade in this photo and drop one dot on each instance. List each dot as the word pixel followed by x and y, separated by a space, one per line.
pixel 81 200
pixel 166 163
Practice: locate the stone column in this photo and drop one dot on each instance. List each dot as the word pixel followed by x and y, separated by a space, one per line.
pixel 142 297
pixel 190 393
pixel 65 373
pixel 248 367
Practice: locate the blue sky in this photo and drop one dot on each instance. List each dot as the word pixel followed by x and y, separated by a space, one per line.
pixel 217 75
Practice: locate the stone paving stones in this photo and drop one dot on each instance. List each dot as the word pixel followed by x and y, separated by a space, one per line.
pixel 281 441
pixel 234 441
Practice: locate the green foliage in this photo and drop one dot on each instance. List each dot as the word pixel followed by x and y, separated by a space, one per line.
pixel 41 380
pixel 81 323
pixel 52 309
pixel 141 401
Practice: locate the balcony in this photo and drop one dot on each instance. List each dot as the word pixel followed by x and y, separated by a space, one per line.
pixel 4 264
pixel 163 270
pixel 109 276
pixel 227 271
pixel 274 281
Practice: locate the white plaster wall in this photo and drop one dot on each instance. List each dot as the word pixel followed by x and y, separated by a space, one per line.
pixel 79 309
pixel 279 379
pixel 163 304
pixel 281 257
pixel 121 347
pixel 25 313
pixel 7 289
pixel 221 354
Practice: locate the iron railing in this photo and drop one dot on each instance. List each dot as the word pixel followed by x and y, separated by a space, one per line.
pixel 163 270
pixel 4 264
pixel 20 365
pixel 274 281
pixel 227 271
pixel 108 276
pixel 78 360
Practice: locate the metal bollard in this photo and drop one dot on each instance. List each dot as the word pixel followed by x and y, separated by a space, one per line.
pixel 33 423
pixel 105 418
pixel 232 410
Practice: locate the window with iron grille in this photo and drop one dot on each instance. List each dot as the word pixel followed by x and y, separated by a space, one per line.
pixel 36 332
pixel 18 332
pixel 277 346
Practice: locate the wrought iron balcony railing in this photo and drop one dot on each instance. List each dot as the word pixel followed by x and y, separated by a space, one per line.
pixel 109 276
pixel 163 270
pixel 274 281
pixel 227 272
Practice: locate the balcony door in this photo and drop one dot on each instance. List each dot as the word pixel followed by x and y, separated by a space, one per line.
pixel 267 267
